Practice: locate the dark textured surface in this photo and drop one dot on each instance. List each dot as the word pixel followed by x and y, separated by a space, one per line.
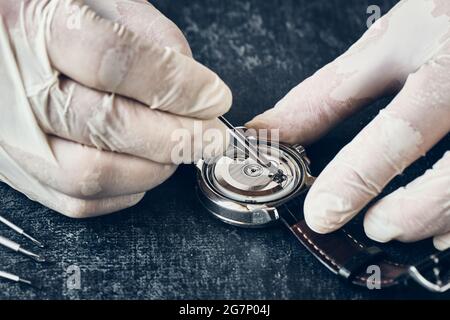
pixel 168 246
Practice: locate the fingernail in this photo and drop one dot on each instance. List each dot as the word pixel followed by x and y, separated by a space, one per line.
pixel 177 42
pixel 183 49
pixel 262 121
pixel 442 242
pixel 256 123
pixel 326 212
pixel 379 229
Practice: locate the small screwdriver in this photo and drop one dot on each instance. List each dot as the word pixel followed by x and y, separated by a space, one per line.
pixel 17 248
pixel 12 277
pixel 20 231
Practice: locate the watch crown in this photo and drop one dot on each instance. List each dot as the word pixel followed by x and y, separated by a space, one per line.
pixel 299 148
pixel 302 152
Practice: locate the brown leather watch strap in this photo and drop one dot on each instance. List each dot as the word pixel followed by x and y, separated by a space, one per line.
pixel 346 256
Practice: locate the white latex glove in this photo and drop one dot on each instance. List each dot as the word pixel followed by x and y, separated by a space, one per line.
pixel 65 139
pixel 409 48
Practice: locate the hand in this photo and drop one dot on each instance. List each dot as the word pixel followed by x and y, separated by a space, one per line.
pixel 409 48
pixel 90 93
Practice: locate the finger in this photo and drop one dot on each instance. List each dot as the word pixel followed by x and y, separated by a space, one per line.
pixel 83 208
pixel 109 57
pixel 418 211
pixel 119 124
pixel 88 173
pixel 442 242
pixel 410 125
pixel 374 66
pixel 144 20
pixel 332 94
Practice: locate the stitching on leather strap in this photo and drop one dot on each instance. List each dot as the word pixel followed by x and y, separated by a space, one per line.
pixel 364 279
pixel 395 264
pixel 362 246
pixel 387 281
pixel 322 253
pixel 353 239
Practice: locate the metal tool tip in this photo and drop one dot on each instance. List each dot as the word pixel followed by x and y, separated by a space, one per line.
pixel 27 282
pixel 30 283
pixel 41 259
pixel 36 242
pixel 34 256
pixel 279 177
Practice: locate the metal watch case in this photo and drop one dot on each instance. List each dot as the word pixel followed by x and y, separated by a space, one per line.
pixel 241 192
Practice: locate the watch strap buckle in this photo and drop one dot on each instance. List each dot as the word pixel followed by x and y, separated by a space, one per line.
pixel 436 264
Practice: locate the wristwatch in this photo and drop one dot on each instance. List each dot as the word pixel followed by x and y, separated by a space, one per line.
pixel 238 190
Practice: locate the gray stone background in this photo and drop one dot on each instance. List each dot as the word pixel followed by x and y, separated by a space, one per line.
pixel 168 246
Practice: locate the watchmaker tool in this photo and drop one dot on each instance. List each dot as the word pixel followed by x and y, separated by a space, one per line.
pixel 275 173
pixel 14 278
pixel 20 231
pixel 17 248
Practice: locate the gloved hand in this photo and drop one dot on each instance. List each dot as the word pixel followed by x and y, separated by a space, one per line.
pixel 409 48
pixel 90 98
